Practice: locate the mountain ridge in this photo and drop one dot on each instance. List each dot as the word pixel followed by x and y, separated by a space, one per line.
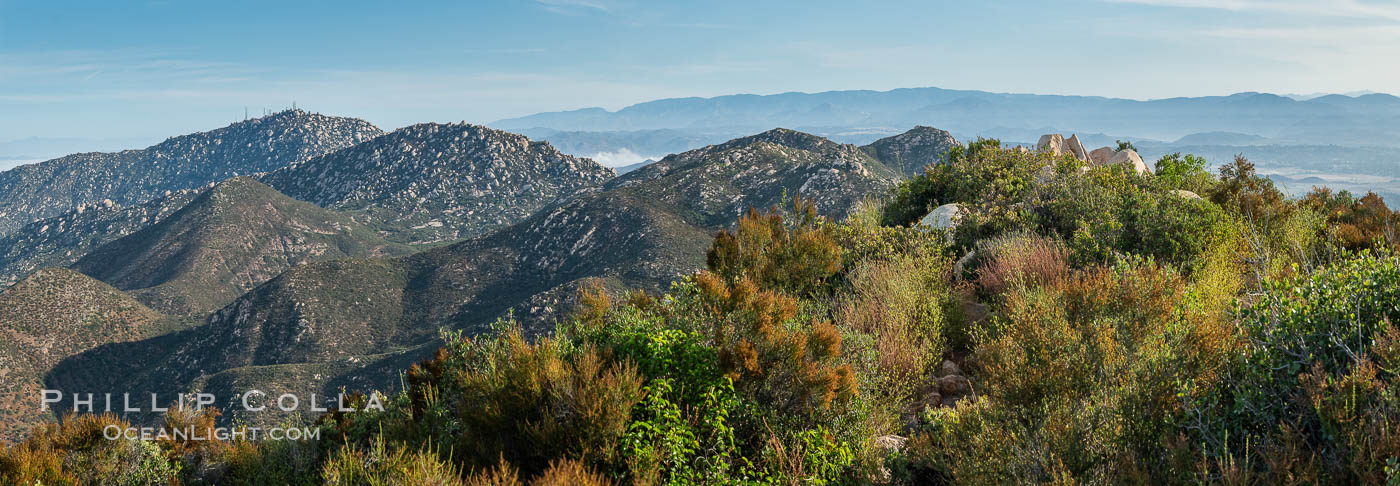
pixel 38 191
pixel 60 240
pixel 433 183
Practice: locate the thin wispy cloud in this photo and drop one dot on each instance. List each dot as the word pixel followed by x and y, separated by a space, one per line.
pixel 1352 9
pixel 122 63
pixel 574 7
pixel 508 50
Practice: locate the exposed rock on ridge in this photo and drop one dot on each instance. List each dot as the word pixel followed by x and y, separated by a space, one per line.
pixel 910 152
pixel 433 183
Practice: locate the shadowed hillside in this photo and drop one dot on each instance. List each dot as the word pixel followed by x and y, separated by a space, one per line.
pixel 53 315
pixel 228 240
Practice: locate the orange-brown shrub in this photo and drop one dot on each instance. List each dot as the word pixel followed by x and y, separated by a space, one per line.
pixel 1355 223
pixel 29 464
pixel 526 403
pixel 797 255
pixel 188 448
pixel 793 369
pixel 382 463
pixel 1358 409
pixel 563 472
pixel 569 473
pixel 75 451
pixel 502 474
pixel 746 298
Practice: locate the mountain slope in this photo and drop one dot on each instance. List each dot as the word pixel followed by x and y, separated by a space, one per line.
pixel 61 240
pixel 720 182
pixel 228 240
pixel 911 151
pixel 38 191
pixel 49 316
pixel 434 183
pixel 631 167
pixel 642 231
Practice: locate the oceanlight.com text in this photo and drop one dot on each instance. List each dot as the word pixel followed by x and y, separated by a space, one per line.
pixel 191 433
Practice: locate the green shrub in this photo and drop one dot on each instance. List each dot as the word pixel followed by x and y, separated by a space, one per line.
pixel 1307 396
pixel 498 397
pixel 900 303
pixel 1170 228
pixel 1099 212
pixel 982 172
pixel 1242 191
pixel 532 403
pixel 1186 172
pixel 1079 378
pixel 269 462
pixel 674 444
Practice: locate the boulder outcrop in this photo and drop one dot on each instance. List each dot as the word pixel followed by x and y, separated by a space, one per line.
pixel 1186 194
pixel 1076 147
pixel 1053 143
pixel 1100 156
pixel 1057 144
pixel 945 216
pixel 1130 156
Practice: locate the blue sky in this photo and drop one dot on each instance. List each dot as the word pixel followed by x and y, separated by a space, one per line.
pixel 131 71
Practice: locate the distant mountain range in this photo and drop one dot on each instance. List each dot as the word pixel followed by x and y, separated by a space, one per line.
pixel 1372 119
pixel 1348 141
pixel 38 149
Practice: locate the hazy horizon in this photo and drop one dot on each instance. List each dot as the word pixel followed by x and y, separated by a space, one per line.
pixel 35 149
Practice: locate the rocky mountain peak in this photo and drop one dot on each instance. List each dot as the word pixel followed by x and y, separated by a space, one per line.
pixel 910 152
pixel 786 138
pixel 32 192
pixel 721 181
pixel 432 182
